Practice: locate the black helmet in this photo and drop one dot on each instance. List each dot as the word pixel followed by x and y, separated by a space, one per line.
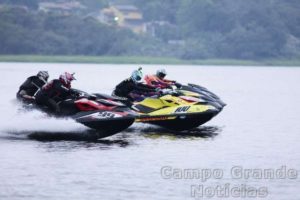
pixel 43 75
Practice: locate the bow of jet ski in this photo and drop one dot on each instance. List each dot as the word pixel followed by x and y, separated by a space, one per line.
pixel 104 115
pixel 203 93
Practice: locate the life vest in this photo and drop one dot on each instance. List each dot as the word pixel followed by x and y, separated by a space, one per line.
pixel 154 81
pixel 151 80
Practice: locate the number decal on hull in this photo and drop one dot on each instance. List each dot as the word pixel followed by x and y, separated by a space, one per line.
pixel 105 115
pixel 182 109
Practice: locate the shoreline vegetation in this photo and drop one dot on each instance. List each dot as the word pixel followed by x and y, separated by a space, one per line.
pixel 145 60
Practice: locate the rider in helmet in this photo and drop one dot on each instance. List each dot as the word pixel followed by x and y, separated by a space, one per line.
pixel 55 91
pixel 158 80
pixel 31 86
pixel 132 89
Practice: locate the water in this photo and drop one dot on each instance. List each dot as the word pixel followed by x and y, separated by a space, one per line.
pixel 259 129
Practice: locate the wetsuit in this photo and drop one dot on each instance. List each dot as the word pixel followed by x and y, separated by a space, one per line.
pixel 29 88
pixel 128 86
pixel 52 93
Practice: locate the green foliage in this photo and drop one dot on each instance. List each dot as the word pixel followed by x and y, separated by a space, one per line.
pixel 33 4
pixel 157 10
pixel 234 29
pixel 27 33
pixel 94 5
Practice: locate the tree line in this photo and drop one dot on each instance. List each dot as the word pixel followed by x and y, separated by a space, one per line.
pixel 208 28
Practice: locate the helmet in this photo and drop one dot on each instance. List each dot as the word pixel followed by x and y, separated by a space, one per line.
pixel 43 75
pixel 66 78
pixel 161 73
pixel 137 75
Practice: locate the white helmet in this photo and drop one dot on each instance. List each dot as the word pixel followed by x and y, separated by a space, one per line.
pixel 137 75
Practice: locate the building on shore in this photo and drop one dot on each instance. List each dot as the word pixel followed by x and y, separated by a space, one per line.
pixel 126 16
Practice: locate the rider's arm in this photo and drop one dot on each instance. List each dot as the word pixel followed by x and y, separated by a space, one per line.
pixel 144 88
pixel 24 94
pixel 169 81
pixel 61 88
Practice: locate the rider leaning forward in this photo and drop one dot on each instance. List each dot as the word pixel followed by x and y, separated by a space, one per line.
pixel 132 89
pixel 55 91
pixel 158 80
pixel 32 84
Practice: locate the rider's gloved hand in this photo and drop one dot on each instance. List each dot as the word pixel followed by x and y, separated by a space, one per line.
pixel 92 97
pixel 158 90
pixel 166 91
pixel 178 85
pixel 74 93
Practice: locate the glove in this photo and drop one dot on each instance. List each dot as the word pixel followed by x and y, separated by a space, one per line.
pixel 178 85
pixel 165 91
pixel 74 93
pixel 92 97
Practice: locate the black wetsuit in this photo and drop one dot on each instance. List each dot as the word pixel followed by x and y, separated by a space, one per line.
pixel 52 93
pixel 127 86
pixel 29 87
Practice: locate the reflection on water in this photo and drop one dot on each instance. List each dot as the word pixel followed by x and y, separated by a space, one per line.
pixel 201 132
pixel 85 135
pixel 67 146
pixel 90 138
pixel 88 135
pixel 66 141
pixel 69 141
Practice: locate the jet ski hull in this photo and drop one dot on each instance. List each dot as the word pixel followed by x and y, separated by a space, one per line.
pixel 107 117
pixel 179 122
pixel 107 123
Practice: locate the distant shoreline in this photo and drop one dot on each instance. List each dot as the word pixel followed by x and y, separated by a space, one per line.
pixel 145 60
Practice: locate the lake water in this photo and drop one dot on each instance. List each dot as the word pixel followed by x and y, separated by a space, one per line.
pixel 258 131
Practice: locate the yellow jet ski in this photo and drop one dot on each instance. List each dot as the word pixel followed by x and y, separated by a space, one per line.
pixel 175 110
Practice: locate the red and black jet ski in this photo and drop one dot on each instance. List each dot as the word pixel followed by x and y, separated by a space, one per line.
pixel 107 116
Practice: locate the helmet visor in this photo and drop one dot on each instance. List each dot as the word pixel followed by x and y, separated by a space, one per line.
pixel 161 75
pixel 138 78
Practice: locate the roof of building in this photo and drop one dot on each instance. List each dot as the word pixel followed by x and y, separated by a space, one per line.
pixel 61 5
pixel 126 7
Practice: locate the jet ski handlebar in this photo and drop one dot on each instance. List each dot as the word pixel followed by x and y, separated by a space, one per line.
pixel 79 94
pixel 169 92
